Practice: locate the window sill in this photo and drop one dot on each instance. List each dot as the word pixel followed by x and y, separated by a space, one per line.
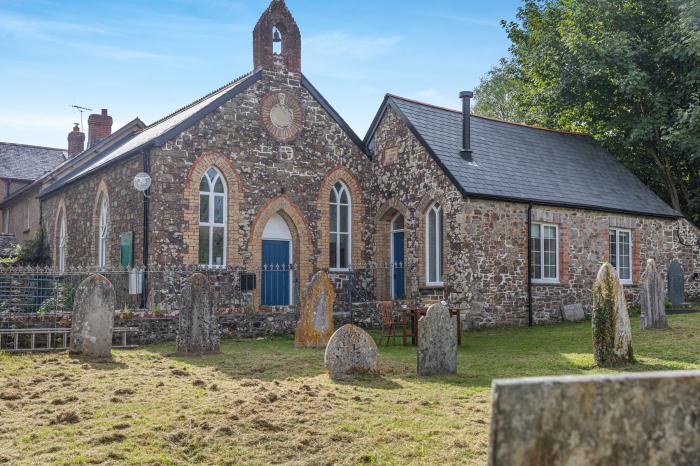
pixel 433 286
pixel 338 270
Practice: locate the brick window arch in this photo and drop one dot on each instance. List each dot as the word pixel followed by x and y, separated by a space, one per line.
pixel 333 228
pixel 60 237
pixel 204 220
pixel 101 225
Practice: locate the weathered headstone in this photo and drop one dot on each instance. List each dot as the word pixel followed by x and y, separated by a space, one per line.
pixel 437 342
pixel 612 332
pixel 676 284
pixel 631 419
pixel 351 351
pixel 198 328
pixel 315 326
pixel 651 297
pixel 573 312
pixel 93 318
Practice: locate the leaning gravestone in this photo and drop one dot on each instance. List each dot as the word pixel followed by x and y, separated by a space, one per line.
pixel 573 312
pixel 198 328
pixel 315 326
pixel 93 318
pixel 632 419
pixel 612 332
pixel 651 298
pixel 351 351
pixel 437 342
pixel 676 284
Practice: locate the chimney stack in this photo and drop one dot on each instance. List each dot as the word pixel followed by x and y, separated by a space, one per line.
pixel 99 127
pixel 466 152
pixel 76 141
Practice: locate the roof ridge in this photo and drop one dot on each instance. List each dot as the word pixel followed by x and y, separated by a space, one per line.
pixel 190 105
pixel 33 146
pixel 543 128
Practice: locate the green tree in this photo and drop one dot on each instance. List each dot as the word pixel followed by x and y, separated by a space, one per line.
pixel 495 94
pixel 627 72
pixel 35 251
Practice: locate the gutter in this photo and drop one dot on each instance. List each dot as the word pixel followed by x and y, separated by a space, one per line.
pixel 146 228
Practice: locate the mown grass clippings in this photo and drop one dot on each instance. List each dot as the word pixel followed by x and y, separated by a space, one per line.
pixel 274 404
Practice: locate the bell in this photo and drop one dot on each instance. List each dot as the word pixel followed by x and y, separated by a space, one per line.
pixel 276 37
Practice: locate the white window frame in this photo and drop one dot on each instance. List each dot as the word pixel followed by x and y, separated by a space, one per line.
pixel 437 208
pixel 6 221
pixel 62 242
pixel 334 230
pixel 102 233
pixel 212 224
pixel 550 280
pixel 617 231
pixel 26 214
pixel 393 261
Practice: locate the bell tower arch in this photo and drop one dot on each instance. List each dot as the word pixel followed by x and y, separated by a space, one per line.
pixel 277 40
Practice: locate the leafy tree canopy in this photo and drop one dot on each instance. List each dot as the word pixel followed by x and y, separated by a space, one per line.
pixel 627 72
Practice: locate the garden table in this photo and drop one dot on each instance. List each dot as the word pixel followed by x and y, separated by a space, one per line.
pixel 410 317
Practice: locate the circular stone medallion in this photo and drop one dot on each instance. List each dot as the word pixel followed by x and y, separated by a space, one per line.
pixel 282 116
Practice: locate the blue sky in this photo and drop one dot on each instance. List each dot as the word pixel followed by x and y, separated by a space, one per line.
pixel 147 59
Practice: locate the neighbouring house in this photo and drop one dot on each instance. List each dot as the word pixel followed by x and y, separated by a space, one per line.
pixel 20 166
pixel 505 221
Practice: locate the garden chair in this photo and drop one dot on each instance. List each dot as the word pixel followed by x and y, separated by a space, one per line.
pixel 389 322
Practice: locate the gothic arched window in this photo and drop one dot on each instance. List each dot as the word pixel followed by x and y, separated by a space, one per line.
pixel 212 219
pixel 340 223
pixel 102 233
pixel 433 245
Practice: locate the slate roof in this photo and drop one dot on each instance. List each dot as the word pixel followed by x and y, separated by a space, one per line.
pixel 165 129
pixel 524 163
pixel 22 162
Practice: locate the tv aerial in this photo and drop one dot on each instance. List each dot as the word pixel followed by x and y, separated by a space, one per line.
pixel 81 110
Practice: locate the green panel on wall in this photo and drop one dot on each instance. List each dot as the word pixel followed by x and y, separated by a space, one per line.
pixel 126 249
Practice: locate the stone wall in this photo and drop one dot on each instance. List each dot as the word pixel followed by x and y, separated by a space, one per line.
pixel 80 201
pixel 485 242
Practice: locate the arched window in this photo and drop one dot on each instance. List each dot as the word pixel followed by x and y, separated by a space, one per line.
pixel 102 238
pixel 61 242
pixel 433 245
pixel 212 219
pixel 340 227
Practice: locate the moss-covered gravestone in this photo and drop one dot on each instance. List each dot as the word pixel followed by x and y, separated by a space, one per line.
pixel 437 342
pixel 315 326
pixel 198 328
pixel 351 351
pixel 651 298
pixel 612 332
pixel 93 318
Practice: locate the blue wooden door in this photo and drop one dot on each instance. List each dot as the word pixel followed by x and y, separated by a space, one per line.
pixel 276 273
pixel 398 266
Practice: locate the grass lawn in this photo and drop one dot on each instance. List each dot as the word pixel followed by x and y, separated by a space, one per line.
pixel 263 402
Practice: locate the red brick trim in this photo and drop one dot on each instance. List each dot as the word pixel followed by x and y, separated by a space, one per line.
pixel 357 197
pixel 102 190
pixel 61 210
pixel 234 198
pixel 636 255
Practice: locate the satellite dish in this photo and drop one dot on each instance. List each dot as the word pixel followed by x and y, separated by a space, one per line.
pixel 142 182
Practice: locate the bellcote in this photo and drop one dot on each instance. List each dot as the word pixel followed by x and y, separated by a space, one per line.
pixel 277 40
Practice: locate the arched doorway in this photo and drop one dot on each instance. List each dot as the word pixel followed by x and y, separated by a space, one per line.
pixel 398 257
pixel 277 253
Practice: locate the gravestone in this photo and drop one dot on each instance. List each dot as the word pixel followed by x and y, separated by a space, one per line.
pixel 651 298
pixel 93 318
pixel 315 326
pixel 351 351
pixel 573 312
pixel 612 332
pixel 198 328
pixel 437 342
pixel 632 419
pixel 676 284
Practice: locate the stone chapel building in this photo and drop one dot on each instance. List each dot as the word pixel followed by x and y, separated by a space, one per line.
pixel 506 221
